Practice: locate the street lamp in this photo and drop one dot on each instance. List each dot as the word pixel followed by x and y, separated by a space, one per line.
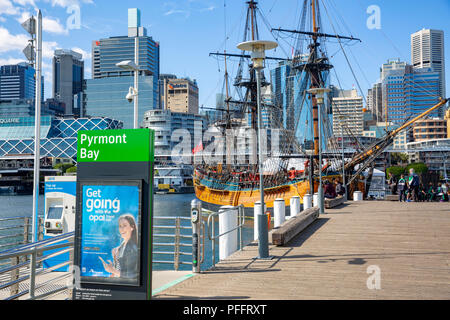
pixel 257 49
pixel 320 93
pixel 133 93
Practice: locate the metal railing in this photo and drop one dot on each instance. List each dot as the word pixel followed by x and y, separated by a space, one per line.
pixel 16 231
pixel 21 270
pixel 174 240
pixel 21 266
pixel 211 228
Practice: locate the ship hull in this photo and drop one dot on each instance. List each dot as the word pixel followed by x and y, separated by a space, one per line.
pixel 248 197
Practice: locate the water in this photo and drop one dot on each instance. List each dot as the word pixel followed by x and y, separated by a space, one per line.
pixel 164 205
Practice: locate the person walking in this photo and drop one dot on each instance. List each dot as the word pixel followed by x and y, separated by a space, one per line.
pixel 413 183
pixel 401 188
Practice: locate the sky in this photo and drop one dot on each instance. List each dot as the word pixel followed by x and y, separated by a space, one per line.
pixel 188 30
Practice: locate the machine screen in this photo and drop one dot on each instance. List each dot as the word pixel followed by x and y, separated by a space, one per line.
pixel 54 213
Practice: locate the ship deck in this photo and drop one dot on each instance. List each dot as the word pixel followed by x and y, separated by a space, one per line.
pixel 408 243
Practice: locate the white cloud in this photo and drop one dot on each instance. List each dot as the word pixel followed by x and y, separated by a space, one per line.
pixel 68 3
pixel 86 55
pixel 6 7
pixel 49 24
pixel 24 3
pixel 53 25
pixel 9 61
pixel 9 42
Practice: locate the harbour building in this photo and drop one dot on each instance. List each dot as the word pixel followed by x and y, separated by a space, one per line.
pixel 58 135
pixel 165 122
pixel 105 93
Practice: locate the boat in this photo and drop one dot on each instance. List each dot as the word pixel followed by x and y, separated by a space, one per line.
pixel 230 184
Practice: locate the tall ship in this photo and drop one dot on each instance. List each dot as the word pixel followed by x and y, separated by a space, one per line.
pixel 294 169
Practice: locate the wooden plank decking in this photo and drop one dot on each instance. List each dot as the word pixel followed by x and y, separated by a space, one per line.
pixel 408 242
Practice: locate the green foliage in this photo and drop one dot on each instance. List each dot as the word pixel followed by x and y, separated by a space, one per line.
pixel 395 170
pixel 399 158
pixel 63 167
pixel 72 170
pixel 419 168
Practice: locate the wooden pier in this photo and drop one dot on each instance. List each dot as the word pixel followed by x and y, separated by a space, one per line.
pixel 337 257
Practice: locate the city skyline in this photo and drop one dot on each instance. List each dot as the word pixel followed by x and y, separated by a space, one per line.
pixel 170 24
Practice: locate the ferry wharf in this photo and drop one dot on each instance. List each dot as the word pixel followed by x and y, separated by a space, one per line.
pixel 362 250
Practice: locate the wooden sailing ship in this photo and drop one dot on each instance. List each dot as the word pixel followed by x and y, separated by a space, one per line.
pixel 228 184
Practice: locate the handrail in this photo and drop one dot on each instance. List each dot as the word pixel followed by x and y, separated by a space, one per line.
pixel 35 249
pixel 211 229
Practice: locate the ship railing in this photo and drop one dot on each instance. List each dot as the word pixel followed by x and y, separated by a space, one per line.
pixel 212 223
pixel 19 278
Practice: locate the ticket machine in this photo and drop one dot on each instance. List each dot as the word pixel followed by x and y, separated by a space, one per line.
pixel 60 199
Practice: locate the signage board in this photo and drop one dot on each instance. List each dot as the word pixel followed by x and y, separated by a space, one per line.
pixel 113 247
pixel 110 232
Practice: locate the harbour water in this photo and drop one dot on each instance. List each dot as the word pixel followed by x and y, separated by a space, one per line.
pixel 170 205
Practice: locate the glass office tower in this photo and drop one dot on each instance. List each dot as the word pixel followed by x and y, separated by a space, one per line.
pixel 106 98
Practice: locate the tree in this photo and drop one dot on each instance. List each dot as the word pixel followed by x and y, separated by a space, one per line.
pixel 72 170
pixel 419 168
pixel 63 167
pixel 395 170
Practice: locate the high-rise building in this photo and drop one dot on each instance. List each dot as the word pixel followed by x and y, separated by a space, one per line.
pixel 407 91
pixel 348 114
pixel 375 101
pixel 18 82
pixel 105 93
pixel 287 96
pixel 106 98
pixel 162 84
pixel 181 95
pixel 68 76
pixel 427 51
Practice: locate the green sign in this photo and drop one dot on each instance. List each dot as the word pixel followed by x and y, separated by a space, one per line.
pixel 131 145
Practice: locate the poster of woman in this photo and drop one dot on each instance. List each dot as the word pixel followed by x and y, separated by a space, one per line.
pixel 110 246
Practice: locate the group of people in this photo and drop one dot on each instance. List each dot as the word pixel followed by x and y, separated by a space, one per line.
pixel 333 189
pixel 411 189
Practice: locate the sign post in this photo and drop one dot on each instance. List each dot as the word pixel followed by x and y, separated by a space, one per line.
pixel 113 231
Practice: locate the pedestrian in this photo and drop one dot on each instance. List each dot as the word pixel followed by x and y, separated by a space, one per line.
pixel 392 182
pixel 413 183
pixel 401 188
pixel 431 193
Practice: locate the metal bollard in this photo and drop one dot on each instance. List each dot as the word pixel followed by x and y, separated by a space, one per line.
pixel 228 243
pixel 316 199
pixel 358 196
pixel 279 212
pixel 256 213
pixel 196 220
pixel 263 231
pixel 295 206
pixel 307 201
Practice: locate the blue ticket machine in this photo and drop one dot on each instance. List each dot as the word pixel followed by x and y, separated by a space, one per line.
pixel 60 200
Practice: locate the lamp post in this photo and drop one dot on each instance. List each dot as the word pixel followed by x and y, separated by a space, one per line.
pixel 258 49
pixel 343 156
pixel 133 93
pixel 319 93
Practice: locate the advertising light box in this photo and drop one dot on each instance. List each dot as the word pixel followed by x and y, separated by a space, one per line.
pixel 111 233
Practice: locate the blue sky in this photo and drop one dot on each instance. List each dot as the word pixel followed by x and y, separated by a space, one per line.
pixel 188 30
